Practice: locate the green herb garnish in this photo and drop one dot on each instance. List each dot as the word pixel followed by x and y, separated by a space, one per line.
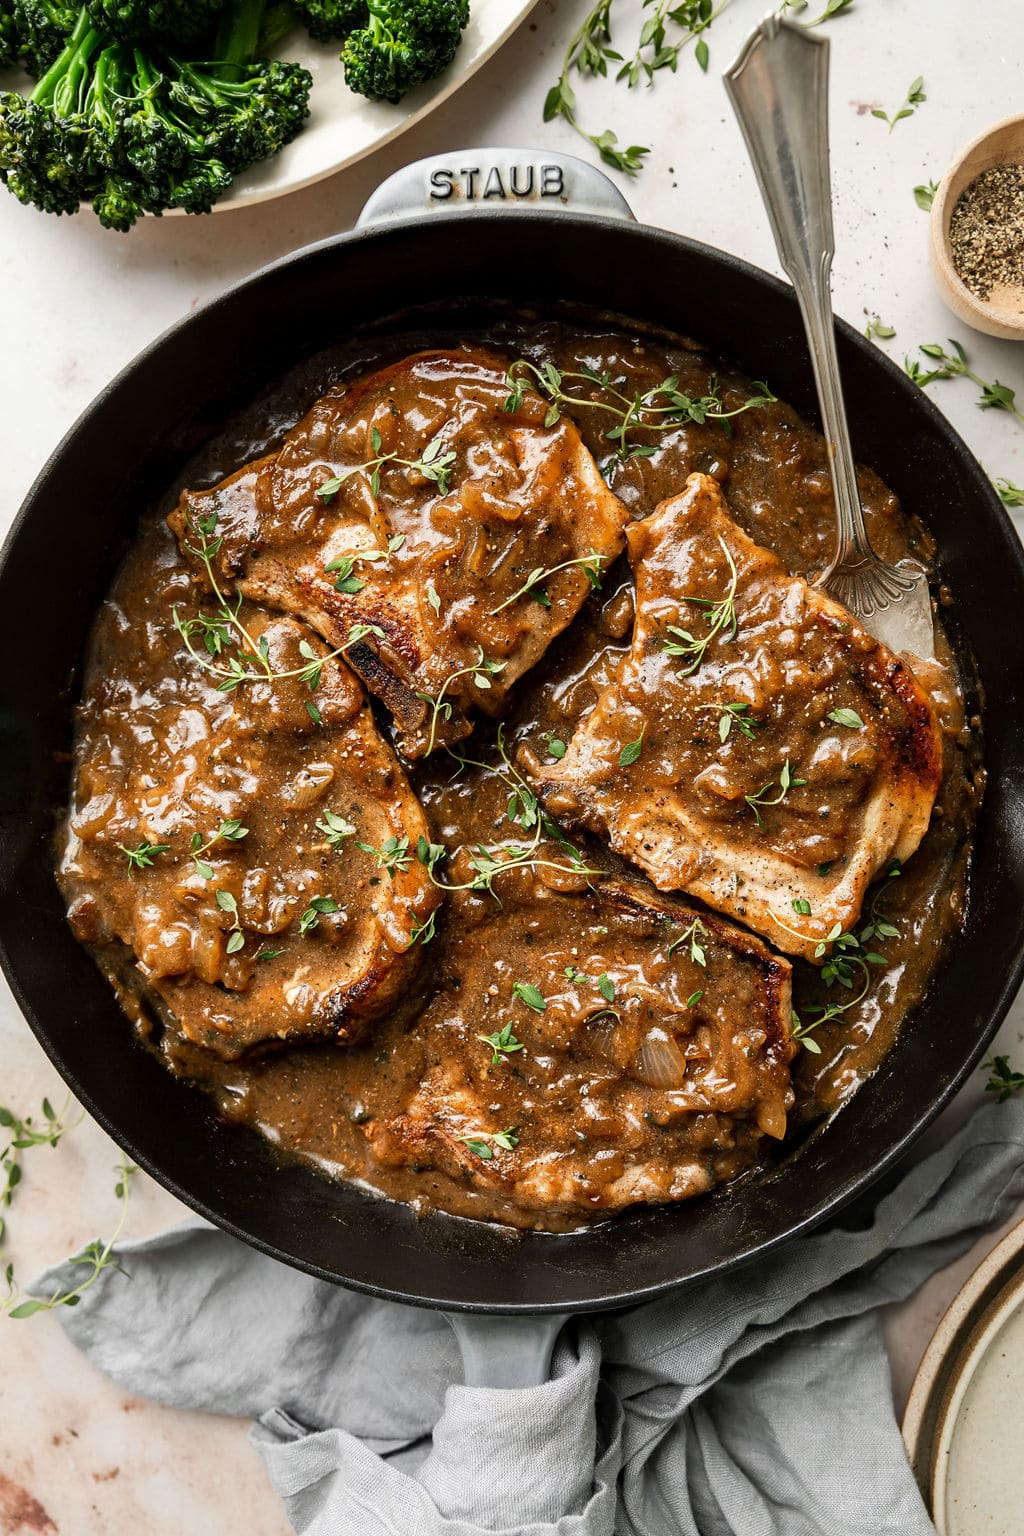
pixel 659 409
pixel 482 1143
pixel 914 97
pixel 320 906
pixel 527 993
pixel 954 365
pixel 142 856
pixel 533 586
pixel 432 464
pixel 630 753
pixel 764 798
pixel 230 831
pixel 722 621
pixel 847 717
pixel 502 1043
pixel 335 828
pixel 1003 1080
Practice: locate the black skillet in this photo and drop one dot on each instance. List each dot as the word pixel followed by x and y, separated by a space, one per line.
pixel 481 228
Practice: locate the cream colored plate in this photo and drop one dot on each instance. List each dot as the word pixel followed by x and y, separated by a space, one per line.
pixel 343 127
pixel 964 1424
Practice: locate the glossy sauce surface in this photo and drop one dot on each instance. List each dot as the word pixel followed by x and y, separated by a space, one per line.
pixel 576 1094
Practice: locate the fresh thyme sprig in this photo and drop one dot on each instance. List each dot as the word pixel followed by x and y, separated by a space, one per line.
pixel 533 586
pixel 393 855
pixel 525 812
pixel 668 28
pixel 763 799
pixel 232 654
pixel 694 936
pixel 658 409
pixel 95 1258
pixel 848 960
pixel 335 829
pixel 954 365
pixel 433 464
pixel 481 671
pixel 502 1043
pixel 23 1134
pixel 1011 495
pixel 230 831
pixel 721 614
pixel 734 717
pixel 914 97
pixel 833 8
pixel 1003 1080
pixel 483 1143
pixel 142 857
pixel 227 903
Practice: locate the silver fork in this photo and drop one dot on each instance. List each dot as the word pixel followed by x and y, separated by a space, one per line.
pixel 779 91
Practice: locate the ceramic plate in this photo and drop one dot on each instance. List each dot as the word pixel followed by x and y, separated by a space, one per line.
pixel 343 127
pixel 964 1423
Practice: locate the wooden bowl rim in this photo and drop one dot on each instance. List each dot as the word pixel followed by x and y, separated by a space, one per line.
pixel 961 172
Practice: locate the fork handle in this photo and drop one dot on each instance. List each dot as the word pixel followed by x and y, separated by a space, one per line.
pixel 779 91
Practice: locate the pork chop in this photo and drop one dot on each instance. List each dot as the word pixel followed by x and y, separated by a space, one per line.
pixel 414 501
pixel 594 1050
pixel 215 863
pixel 756 747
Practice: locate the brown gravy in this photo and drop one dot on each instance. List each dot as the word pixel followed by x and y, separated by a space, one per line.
pixel 323 1102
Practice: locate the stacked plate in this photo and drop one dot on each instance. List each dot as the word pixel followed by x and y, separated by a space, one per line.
pixel 964 1424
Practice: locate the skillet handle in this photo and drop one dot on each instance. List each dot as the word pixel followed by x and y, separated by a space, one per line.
pixel 506 1351
pixel 467 180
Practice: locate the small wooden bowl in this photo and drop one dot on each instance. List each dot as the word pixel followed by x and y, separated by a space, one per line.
pixel 1002 314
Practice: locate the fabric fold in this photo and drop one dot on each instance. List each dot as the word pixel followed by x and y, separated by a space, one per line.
pixel 755 1404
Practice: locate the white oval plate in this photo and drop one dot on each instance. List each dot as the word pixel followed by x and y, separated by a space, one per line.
pixel 343 127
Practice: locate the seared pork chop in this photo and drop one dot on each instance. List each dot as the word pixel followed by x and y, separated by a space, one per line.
pixel 756 747
pixel 216 866
pixel 594 1050
pixel 443 539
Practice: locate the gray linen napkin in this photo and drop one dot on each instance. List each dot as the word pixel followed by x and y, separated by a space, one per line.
pixel 757 1404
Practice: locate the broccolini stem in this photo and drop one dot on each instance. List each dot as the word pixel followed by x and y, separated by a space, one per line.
pixel 46 87
pixel 240 33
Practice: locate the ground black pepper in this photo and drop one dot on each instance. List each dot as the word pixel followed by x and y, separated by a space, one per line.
pixel 986 231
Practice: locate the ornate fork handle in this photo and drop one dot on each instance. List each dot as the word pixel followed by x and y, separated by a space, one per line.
pixel 779 91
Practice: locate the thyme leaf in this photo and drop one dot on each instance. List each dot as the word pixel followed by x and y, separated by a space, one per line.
pixel 530 995
pixel 502 1043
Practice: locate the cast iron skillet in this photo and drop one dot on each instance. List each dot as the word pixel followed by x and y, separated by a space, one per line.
pixel 125 451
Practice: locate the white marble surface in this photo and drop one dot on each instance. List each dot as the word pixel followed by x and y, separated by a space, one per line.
pixel 77 1456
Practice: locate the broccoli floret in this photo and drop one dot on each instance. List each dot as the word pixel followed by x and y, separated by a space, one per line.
pixel 404 43
pixel 138 132
pixel 174 23
pixel 34 32
pixel 331 20
pixel 10 43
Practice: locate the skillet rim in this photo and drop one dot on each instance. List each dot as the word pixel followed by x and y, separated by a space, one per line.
pixel 826 1207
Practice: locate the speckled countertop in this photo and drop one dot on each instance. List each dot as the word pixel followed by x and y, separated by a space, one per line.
pixel 77 1456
